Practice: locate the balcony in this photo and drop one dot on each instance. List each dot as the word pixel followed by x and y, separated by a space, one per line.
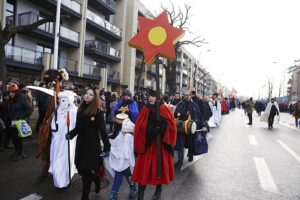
pixel 68 38
pixel 10 20
pixel 70 65
pixel 138 63
pixel 103 27
pixel 150 84
pixel 91 71
pixel 98 49
pixel 68 7
pixel 24 58
pixel 107 7
pixel 113 77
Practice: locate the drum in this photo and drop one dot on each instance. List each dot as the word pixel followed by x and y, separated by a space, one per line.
pixel 188 127
pixel 120 117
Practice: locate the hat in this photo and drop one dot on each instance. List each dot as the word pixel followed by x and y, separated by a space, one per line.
pixel 127 93
pixel 13 88
pixel 127 126
pixel 114 96
pixel 152 93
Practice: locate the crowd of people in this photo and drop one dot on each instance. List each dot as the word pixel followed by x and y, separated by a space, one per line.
pixel 131 135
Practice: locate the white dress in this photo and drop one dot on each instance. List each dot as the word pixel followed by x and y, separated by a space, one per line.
pixel 59 160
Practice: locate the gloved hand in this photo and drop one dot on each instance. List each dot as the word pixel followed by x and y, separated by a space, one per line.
pixel 68 136
pixel 161 127
pixel 104 154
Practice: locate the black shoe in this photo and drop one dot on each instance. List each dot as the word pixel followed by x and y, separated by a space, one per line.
pixel 157 194
pixel 178 165
pixel 140 195
pixel 97 186
pixel 249 123
pixel 191 159
pixel 61 190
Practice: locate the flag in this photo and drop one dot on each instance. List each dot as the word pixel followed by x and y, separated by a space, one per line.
pixel 233 92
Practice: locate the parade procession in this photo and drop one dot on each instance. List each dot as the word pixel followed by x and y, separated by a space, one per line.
pixel 96 91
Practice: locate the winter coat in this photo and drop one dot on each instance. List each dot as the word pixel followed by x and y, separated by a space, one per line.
pixel 296 112
pixel 19 107
pixel 249 106
pixel 88 147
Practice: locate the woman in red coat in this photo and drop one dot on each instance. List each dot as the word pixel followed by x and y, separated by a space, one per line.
pixel 145 134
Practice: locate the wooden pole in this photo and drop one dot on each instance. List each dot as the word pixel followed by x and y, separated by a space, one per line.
pixel 158 137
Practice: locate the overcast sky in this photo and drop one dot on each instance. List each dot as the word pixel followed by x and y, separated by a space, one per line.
pixel 249 41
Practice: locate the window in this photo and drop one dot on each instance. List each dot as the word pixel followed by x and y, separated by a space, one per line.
pixel 43 49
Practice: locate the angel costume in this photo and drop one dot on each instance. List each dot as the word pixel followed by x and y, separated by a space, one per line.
pixel 59 158
pixel 271 111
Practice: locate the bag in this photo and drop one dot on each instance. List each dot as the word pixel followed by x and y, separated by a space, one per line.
pixel 24 129
pixel 2 125
pixel 200 143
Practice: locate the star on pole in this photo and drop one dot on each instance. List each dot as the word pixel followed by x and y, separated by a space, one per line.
pixel 156 37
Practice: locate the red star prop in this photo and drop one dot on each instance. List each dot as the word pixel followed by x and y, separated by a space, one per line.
pixel 156 37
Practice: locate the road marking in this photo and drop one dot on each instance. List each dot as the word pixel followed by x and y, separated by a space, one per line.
pixel 264 175
pixel 296 156
pixel 252 140
pixel 33 196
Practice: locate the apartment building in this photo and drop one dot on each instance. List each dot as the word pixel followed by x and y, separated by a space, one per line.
pixel 92 46
pixel 190 73
pixel 90 42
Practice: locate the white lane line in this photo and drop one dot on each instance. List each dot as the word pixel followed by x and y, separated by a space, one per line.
pixel 33 196
pixel 252 140
pixel 266 181
pixel 296 156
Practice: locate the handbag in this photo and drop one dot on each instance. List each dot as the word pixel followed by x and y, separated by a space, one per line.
pixel 200 143
pixel 24 129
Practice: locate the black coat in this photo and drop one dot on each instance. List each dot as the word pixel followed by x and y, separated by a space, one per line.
pixel 88 147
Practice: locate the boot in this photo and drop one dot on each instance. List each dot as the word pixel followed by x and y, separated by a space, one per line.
pixel 86 186
pixel 157 193
pixel 133 191
pixel 97 185
pixel 141 192
pixel 113 195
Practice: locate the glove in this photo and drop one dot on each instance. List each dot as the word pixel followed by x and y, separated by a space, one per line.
pixel 104 154
pixel 68 136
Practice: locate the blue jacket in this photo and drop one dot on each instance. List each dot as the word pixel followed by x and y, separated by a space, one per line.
pixel 133 107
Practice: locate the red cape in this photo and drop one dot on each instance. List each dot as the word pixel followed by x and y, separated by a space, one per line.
pixel 141 128
pixel 145 168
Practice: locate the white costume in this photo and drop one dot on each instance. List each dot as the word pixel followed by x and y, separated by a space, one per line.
pixel 211 121
pixel 265 115
pixel 217 112
pixel 59 159
pixel 121 151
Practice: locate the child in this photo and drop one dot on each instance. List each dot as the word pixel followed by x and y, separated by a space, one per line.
pixel 121 160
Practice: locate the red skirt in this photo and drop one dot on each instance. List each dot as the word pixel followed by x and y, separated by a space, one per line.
pixel 145 167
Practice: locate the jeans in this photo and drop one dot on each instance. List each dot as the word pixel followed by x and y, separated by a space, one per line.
pixel 119 178
pixel 250 118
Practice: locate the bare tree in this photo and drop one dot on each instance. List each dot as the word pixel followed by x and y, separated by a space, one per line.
pixel 280 88
pixel 179 18
pixel 9 32
pixel 270 85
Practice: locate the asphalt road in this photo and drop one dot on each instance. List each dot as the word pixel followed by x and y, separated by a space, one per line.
pixel 244 162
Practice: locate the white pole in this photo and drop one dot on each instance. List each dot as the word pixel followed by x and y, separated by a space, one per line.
pixel 56 35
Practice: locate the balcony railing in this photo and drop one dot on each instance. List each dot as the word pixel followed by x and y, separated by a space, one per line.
pixel 31 17
pixel 91 70
pixel 103 23
pixel 23 55
pixel 110 3
pixel 10 20
pixel 69 34
pixel 96 45
pixel 113 76
pixel 69 65
pixel 73 5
